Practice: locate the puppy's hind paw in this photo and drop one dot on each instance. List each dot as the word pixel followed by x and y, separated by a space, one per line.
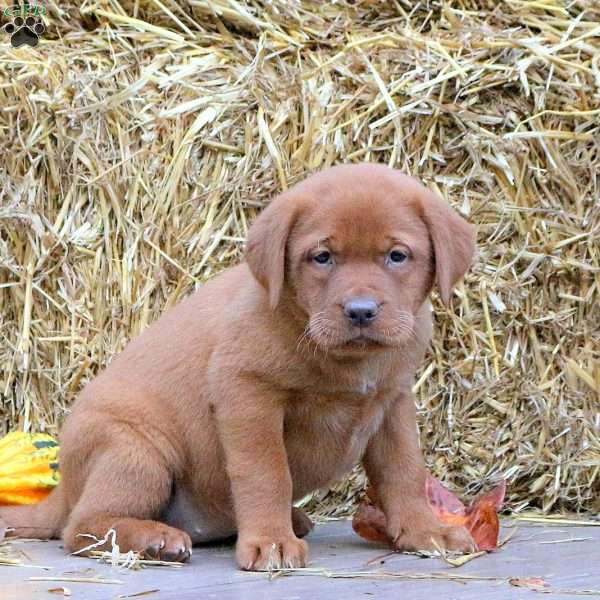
pixel 301 523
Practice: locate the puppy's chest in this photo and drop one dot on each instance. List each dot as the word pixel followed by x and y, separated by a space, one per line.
pixel 326 437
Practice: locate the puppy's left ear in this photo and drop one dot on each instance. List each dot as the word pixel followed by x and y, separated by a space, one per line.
pixel 266 245
pixel 453 242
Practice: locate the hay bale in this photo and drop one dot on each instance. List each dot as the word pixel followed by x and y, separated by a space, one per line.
pixel 140 138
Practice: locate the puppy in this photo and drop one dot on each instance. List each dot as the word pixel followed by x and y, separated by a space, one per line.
pixel 272 380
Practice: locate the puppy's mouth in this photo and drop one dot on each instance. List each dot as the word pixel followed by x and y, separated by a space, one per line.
pixel 365 341
pixel 362 338
pixel 333 336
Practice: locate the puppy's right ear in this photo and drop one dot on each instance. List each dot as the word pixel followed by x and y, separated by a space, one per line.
pixel 266 245
pixel 453 242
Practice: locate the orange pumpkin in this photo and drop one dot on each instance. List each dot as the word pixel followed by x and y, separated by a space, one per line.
pixel 28 467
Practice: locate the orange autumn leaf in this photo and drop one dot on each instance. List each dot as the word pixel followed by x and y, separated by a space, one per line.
pixel 533 583
pixel 482 514
pixel 441 499
pixel 369 522
pixel 480 517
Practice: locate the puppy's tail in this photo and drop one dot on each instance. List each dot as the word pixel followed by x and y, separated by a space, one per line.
pixel 42 521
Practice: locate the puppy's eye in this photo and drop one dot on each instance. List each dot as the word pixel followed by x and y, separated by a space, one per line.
pixel 322 258
pixel 397 257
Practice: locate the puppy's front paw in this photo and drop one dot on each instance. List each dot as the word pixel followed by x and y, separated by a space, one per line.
pixel 262 553
pixel 430 534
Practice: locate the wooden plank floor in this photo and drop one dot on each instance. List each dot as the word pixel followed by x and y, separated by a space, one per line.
pixel 572 562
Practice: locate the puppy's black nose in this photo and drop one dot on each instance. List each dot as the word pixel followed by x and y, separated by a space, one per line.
pixel 361 311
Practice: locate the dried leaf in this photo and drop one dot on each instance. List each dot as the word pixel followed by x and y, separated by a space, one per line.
pixel 441 499
pixel 369 522
pixel 480 517
pixel 60 590
pixel 532 583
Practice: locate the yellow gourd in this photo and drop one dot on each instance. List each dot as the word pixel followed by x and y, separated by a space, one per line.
pixel 28 467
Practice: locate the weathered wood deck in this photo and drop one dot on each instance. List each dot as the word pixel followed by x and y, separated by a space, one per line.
pixel 570 563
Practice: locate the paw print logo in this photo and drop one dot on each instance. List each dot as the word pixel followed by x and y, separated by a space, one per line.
pixel 25 31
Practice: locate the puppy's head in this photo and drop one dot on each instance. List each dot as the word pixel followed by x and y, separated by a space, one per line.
pixel 358 248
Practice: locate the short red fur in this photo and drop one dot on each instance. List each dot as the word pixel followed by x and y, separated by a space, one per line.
pixel 257 389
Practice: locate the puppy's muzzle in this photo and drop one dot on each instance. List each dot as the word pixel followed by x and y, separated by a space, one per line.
pixel 361 311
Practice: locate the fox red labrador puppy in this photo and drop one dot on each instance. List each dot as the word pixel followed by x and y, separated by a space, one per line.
pixel 272 380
